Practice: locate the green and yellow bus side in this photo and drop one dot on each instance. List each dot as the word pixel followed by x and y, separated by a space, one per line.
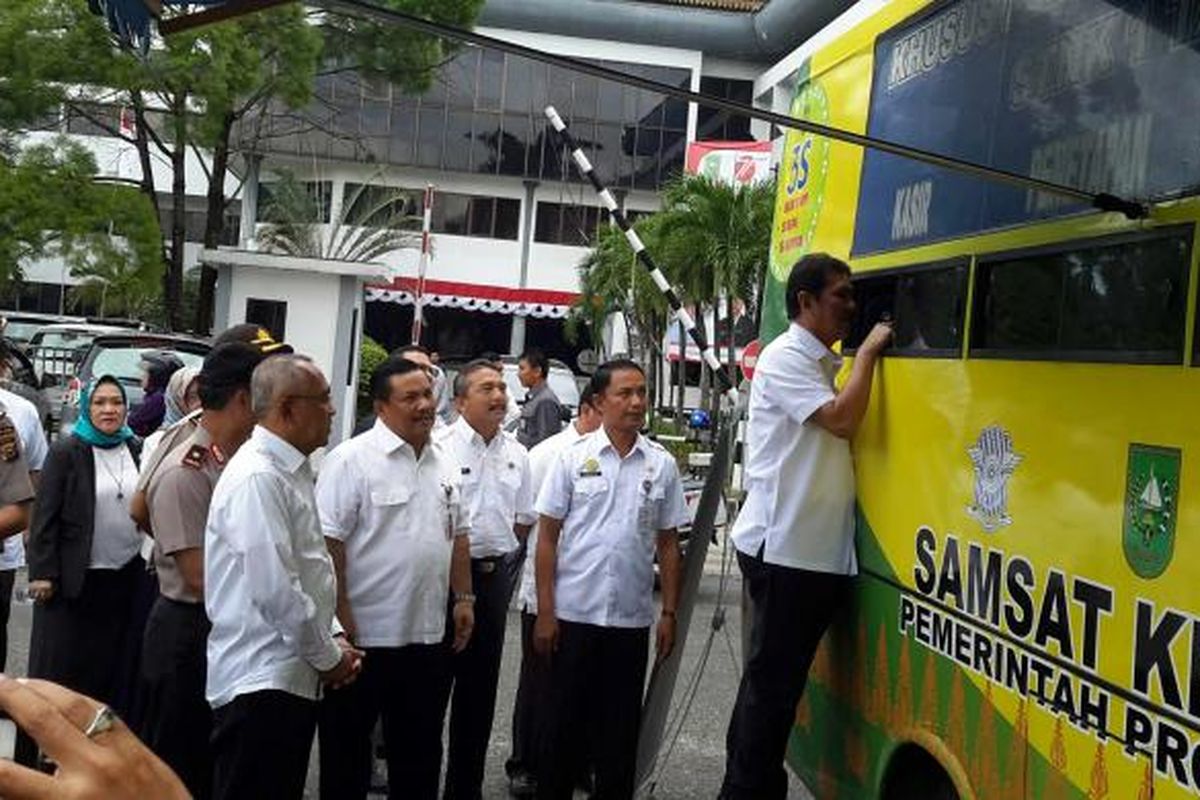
pixel 1027 619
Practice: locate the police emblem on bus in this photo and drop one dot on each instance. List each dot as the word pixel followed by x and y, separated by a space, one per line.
pixel 994 462
pixel 1151 498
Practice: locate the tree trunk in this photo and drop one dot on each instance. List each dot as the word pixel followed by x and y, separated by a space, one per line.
pixel 142 143
pixel 173 279
pixel 214 226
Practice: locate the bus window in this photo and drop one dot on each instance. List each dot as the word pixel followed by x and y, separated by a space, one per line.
pixel 926 304
pixel 1119 302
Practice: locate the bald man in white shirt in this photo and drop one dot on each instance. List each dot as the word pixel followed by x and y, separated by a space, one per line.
pixel 795 534
pixel 269 592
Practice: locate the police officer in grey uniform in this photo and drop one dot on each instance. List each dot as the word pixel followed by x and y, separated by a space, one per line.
pixel 178 721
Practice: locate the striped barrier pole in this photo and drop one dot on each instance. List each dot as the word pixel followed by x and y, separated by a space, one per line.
pixel 419 300
pixel 643 256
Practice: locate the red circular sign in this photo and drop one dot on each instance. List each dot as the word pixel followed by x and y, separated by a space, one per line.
pixel 750 358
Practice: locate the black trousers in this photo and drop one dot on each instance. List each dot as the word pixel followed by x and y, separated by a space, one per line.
pixel 261 743
pixel 596 679
pixel 408 687
pixel 476 674
pixel 529 707
pixel 791 609
pixel 84 643
pixel 7 577
pixel 177 724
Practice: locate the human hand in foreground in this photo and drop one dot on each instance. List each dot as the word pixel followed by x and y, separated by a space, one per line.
pixel 41 591
pixel 346 670
pixel 545 634
pixel 879 338
pixel 464 624
pixel 665 639
pixel 111 764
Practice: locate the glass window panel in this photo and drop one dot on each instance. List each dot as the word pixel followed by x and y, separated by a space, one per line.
pixel 460 77
pixel 508 218
pixel 587 92
pixel 608 151
pixel 491 81
pixel 482 214
pixel 374 119
pixel 450 213
pixel 512 144
pixel 485 148
pixel 611 102
pixel 403 135
pixel 560 91
pixel 519 84
pixel 1122 302
pixel 675 114
pixel 459 141
pixel 546 223
pixel 648 109
pixel 429 136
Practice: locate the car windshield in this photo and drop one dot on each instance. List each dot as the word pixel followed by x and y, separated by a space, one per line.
pixel 124 362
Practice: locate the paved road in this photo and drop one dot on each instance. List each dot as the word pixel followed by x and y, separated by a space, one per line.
pixel 694 768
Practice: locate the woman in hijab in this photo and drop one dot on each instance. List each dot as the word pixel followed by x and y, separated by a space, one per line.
pixel 157 369
pixel 84 565
pixel 181 398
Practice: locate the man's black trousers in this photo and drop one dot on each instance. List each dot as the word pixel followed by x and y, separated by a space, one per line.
pixel 261 743
pixel 597 677
pixel 476 675
pixel 177 723
pixel 408 687
pixel 791 608
pixel 529 706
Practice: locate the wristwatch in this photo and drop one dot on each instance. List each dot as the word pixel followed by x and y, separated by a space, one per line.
pixel 464 597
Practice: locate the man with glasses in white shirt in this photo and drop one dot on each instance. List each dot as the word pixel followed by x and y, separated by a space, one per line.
pixel 269 592
pixel 394 524
pixel 795 534
pixel 498 497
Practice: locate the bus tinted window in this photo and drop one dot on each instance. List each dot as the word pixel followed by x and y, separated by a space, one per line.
pixel 1117 302
pixel 925 303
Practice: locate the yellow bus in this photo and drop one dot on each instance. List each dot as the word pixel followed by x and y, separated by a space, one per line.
pixel 1026 623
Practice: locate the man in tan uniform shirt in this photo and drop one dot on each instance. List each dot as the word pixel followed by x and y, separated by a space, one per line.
pixel 178 721
pixel 16 490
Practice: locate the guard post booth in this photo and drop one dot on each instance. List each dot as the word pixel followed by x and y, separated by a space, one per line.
pixel 313 304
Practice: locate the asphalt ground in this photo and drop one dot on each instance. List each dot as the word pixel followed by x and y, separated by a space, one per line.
pixel 695 763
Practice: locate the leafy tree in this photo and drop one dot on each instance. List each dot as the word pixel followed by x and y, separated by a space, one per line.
pixel 51 204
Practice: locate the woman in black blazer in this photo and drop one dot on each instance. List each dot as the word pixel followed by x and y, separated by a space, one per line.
pixel 84 565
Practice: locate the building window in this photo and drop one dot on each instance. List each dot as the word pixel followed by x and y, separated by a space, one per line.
pixel 717 125
pixel 314 206
pixel 270 314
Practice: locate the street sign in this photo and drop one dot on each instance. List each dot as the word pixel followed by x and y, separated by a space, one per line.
pixel 750 358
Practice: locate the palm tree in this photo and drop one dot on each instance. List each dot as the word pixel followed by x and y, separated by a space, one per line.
pixel 612 280
pixel 717 236
pixel 373 221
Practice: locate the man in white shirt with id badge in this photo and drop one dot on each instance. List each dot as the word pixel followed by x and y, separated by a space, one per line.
pixel 397 532
pixel 610 503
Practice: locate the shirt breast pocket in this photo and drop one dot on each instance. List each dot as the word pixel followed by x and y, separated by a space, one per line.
pixel 393 499
pixel 588 491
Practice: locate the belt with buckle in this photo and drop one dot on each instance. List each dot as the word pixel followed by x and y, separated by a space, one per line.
pixel 487 564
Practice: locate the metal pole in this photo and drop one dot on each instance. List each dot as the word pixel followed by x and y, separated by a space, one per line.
pixel 418 303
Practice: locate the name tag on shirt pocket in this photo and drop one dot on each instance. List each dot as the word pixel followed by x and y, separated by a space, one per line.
pixel 650 500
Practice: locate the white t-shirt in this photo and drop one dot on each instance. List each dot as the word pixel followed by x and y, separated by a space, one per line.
pixel 24 415
pixel 612 509
pixel 799 477
pixel 115 537
pixel 541 456
pixel 397 516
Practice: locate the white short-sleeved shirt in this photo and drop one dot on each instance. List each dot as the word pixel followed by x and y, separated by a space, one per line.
pixel 612 509
pixel 799 477
pixel 269 587
pixel 496 488
pixel 541 457
pixel 24 415
pixel 398 515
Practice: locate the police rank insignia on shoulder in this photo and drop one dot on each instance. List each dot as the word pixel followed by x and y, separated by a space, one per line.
pixel 195 456
pixel 590 468
pixel 8 439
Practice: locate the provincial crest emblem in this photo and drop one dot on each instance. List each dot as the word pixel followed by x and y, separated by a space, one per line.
pixel 1151 499
pixel 994 462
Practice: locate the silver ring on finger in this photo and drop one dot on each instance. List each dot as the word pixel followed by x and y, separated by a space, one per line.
pixel 104 720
